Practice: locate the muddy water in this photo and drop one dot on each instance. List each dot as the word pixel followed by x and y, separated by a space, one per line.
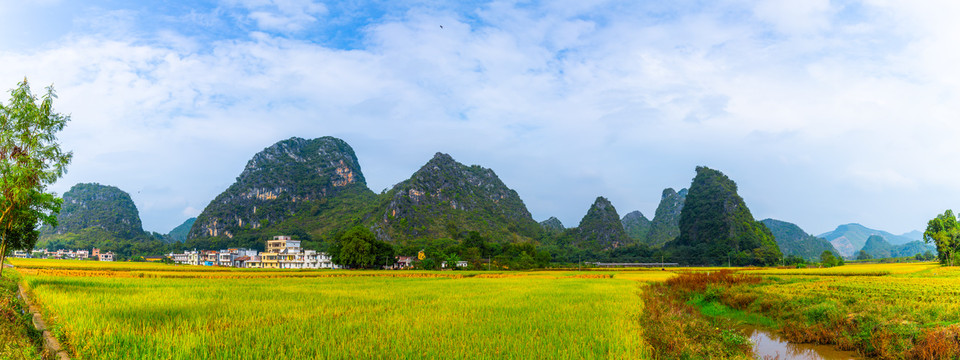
pixel 770 346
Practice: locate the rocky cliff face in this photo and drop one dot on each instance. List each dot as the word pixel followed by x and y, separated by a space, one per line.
pixel 290 178
pixel 448 199
pixel 97 206
pixel 636 226
pixel 665 225
pixel 601 228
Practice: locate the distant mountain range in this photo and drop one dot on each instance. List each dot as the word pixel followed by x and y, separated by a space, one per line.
pixel 792 240
pixel 878 248
pixel 850 238
pixel 314 189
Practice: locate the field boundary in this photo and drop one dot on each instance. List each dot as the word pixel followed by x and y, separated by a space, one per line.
pixel 50 343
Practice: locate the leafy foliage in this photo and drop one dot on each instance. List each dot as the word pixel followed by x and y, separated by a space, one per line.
pixel 944 231
pixel 828 259
pixel 358 247
pixel 716 227
pixel 30 159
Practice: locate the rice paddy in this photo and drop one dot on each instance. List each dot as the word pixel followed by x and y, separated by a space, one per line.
pixel 137 311
pixel 147 310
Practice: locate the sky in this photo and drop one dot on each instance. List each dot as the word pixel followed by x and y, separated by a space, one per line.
pixel 823 112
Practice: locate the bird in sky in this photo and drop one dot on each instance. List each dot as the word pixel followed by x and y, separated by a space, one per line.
pixel 441 26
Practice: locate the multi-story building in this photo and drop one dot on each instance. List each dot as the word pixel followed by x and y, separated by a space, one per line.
pixel 108 256
pixel 282 253
pixel 286 253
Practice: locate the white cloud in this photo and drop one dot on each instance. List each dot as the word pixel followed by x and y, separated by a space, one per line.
pixel 282 15
pixel 564 105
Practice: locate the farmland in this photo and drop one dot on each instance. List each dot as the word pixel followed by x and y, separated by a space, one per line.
pixel 887 311
pixel 157 311
pixel 142 310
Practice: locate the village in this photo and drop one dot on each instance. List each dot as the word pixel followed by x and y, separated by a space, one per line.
pixel 282 252
pixel 94 254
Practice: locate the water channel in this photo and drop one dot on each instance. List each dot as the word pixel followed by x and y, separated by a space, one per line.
pixel 768 345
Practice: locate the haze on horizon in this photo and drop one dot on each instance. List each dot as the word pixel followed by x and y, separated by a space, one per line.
pixel 823 112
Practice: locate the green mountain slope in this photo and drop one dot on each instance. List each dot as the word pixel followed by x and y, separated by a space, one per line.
pixel 180 232
pixel 552 225
pixel 448 199
pixel 307 188
pixel 792 240
pixel 636 226
pixel 716 226
pixel 850 238
pixel 99 216
pixel 98 206
pixel 601 228
pixel 878 248
pixel 665 225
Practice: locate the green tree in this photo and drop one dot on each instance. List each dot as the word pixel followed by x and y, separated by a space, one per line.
pixel 944 231
pixel 358 247
pixel 828 260
pixel 30 160
pixel 863 255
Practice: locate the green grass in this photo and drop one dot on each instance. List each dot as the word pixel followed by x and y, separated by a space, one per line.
pixel 17 339
pixel 535 315
pixel 716 309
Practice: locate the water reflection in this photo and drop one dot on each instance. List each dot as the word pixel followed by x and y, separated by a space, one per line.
pixel 770 346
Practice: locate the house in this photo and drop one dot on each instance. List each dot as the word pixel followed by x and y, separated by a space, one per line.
pixel 285 253
pixel 108 256
pixel 282 253
pixel 403 262
pixel 20 254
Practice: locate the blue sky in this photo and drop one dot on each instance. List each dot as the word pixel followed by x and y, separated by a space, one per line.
pixel 824 112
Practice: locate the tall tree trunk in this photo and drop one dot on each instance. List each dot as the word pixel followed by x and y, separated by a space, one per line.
pixel 3 253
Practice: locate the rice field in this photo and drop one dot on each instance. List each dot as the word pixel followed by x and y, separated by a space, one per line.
pixel 137 311
pixel 887 311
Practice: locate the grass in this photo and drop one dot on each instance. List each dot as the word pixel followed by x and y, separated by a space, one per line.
pixel 17 339
pixel 886 311
pixel 135 311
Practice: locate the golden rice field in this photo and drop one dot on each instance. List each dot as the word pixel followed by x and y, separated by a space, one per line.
pixel 140 311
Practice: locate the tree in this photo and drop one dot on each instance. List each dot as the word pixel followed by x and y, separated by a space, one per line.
pixel 30 160
pixel 863 255
pixel 358 247
pixel 944 231
pixel 828 260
